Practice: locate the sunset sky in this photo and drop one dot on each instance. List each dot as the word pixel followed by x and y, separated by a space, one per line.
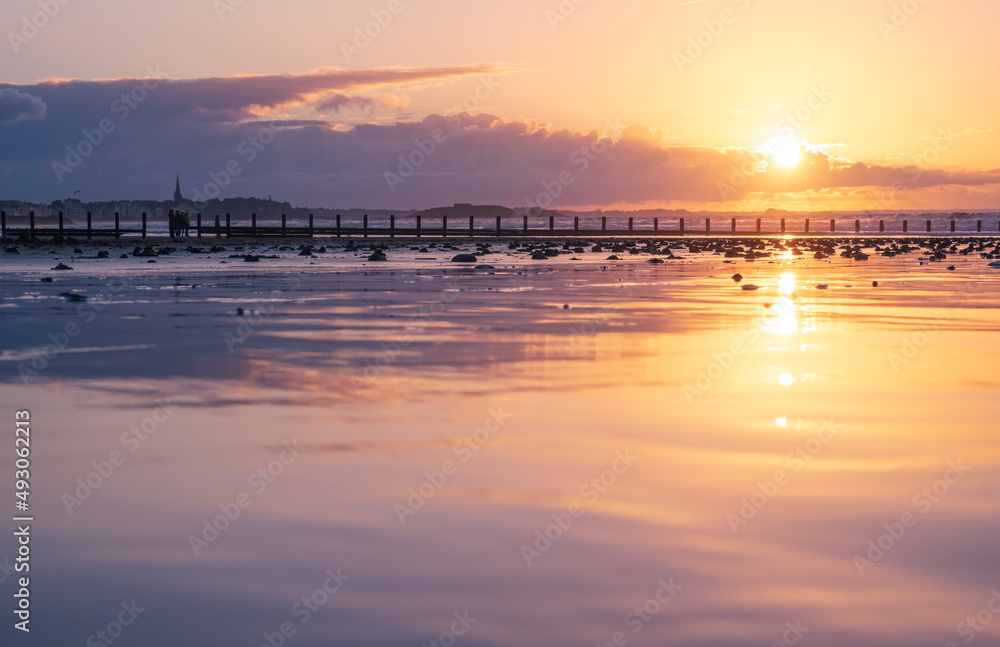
pixel 852 94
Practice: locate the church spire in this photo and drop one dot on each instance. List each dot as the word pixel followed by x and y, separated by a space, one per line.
pixel 177 190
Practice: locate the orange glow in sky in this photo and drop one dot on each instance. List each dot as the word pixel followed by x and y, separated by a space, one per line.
pixel 874 89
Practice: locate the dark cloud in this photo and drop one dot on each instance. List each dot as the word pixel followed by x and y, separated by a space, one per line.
pixel 337 102
pixel 158 127
pixel 18 106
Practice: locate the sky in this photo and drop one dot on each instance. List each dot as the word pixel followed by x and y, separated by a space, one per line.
pixel 723 105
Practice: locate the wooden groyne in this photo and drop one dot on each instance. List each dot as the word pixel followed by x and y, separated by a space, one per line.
pixel 505 227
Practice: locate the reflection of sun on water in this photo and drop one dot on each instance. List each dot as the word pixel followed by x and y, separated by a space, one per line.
pixel 782 319
pixel 786 283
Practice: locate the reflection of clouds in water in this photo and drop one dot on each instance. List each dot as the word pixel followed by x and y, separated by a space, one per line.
pixel 666 519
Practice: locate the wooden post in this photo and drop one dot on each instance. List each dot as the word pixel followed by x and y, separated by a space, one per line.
pixel 734 225
pixel 444 226
pixel 229 226
pixel 682 226
pixel 906 226
pixel 338 225
pixel 144 225
pixel 552 223
pixel 366 226
pixel 953 226
pixel 708 226
pixel 198 232
pixel 472 226
pixel 284 224
pixel 498 225
pixel 61 223
pixel 253 225
pixel 833 226
pixel 758 225
pixel 90 225
pixel 807 225
pixel 979 226
pixel 3 224
pixel 312 229
pixel 656 225
pixel 218 227
pixel 928 226
pixel 630 221
pixel 31 223
pixel 418 225
pixel 782 225
pixel 881 226
pixel 576 223
pixel 392 225
pixel 604 223
pixel 857 226
pixel 526 224
pixel 118 228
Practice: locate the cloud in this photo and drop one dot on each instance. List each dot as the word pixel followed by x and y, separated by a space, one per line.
pixel 200 127
pixel 335 103
pixel 16 106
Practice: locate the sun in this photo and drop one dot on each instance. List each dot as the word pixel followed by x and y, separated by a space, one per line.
pixel 789 154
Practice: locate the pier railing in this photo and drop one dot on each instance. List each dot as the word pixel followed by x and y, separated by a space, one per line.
pixel 417 226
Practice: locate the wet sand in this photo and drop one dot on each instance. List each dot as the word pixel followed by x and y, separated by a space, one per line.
pixel 671 456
